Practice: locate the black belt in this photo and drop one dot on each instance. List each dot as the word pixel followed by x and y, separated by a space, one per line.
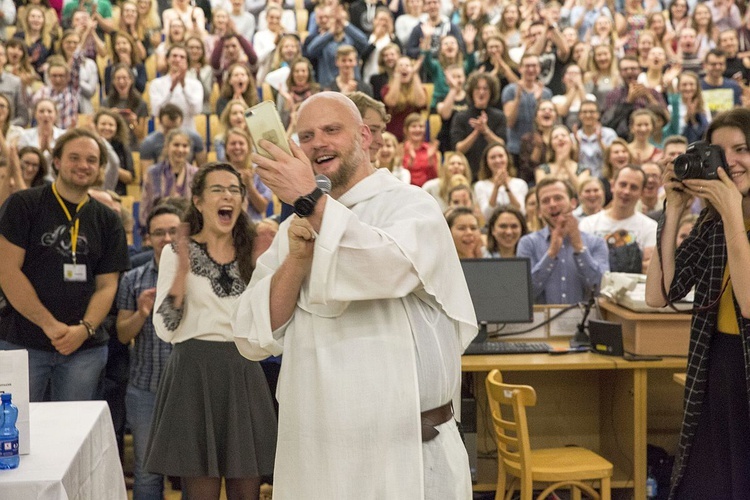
pixel 433 418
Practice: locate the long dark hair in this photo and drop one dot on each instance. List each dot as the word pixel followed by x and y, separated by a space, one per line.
pixel 243 232
pixel 38 179
pixel 492 245
pixel 134 97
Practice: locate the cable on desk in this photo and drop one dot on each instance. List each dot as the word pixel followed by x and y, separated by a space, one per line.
pixel 497 334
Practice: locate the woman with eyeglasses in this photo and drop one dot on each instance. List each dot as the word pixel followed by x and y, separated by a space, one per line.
pixel 24 169
pixel 214 417
pixel 128 101
pixel 239 145
pixel 172 176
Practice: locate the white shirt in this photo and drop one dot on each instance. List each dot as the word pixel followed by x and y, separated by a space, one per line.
pixel 188 98
pixel 637 228
pixel 374 340
pixel 483 192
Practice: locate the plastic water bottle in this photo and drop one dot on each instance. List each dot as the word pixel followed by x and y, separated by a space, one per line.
pixel 651 485
pixel 8 433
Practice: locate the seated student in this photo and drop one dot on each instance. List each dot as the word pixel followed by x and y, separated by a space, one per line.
pixel 124 97
pixel 233 116
pixel 464 227
pixel 454 102
pixel 44 135
pixel 403 95
pixel 590 197
pixel 172 176
pixel 176 87
pixel 386 157
pixel 563 159
pixel 630 235
pixel 505 227
pixel 238 84
pixel 231 49
pixel 498 184
pixel 566 263
pixel 720 93
pixel 419 157
pixel 37 35
pixel 454 165
pixel 170 118
pixel 63 88
pixel 125 51
pixel 345 82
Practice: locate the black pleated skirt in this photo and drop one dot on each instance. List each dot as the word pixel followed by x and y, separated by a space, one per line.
pixel 214 415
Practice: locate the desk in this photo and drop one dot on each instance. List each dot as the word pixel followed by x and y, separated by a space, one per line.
pixel 73 455
pixel 660 334
pixel 590 400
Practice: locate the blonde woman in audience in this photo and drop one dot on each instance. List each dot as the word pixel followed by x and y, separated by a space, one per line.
pixel 505 227
pixel 287 50
pixel 112 128
pixel 219 28
pixel 510 25
pixel 657 24
pixel 37 36
pixel 419 157
pixel 172 176
pixel 464 227
pixel 498 184
pixel 387 158
pixel 50 15
pixel 193 19
pixel 602 75
pixel 533 221
pixel 590 197
pixel 706 33
pixel 387 60
pixel 454 165
pixel 199 69
pixel 10 132
pixel 238 84
pixel 88 76
pixel 128 101
pixel 257 195
pixel 149 24
pixel 616 157
pixel 563 162
pixel 642 124
pixel 44 135
pixel 403 95
pixel 233 117
pixel 128 23
pixel 382 36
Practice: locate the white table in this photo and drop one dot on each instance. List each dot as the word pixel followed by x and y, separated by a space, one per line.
pixel 73 455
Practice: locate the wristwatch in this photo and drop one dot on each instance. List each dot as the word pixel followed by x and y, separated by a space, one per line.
pixel 304 206
pixel 89 329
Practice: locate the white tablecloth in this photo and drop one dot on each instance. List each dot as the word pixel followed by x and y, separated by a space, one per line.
pixel 73 455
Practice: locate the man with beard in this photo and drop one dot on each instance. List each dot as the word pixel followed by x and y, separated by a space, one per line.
pixel 630 235
pixel 566 264
pixel 651 197
pixel 371 322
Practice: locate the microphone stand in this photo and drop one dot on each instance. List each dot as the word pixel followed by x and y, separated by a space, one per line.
pixel 581 338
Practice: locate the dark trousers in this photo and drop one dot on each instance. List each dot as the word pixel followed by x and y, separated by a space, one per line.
pixel 719 463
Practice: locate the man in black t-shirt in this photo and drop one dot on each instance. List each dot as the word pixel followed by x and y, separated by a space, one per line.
pixel 62 253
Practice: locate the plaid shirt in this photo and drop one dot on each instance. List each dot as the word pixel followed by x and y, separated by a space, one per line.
pixel 150 354
pixel 700 261
pixel 66 99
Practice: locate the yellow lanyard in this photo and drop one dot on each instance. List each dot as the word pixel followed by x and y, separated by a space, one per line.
pixel 75 223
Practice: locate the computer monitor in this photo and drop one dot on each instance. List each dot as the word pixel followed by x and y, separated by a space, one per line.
pixel 501 290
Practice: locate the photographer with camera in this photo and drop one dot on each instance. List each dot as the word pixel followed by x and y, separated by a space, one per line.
pixel 714 450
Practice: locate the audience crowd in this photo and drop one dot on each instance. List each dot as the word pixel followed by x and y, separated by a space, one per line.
pixel 542 130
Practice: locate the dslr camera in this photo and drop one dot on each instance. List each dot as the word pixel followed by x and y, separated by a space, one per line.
pixel 700 161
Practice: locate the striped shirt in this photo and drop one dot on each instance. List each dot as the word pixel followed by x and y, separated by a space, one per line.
pixel 149 355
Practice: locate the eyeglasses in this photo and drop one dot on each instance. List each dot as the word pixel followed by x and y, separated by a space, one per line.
pixel 161 233
pixel 29 164
pixel 219 190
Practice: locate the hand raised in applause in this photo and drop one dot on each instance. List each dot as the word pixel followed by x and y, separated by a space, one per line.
pixel 145 302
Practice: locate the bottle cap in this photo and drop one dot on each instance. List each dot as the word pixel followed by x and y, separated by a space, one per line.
pixel 5 397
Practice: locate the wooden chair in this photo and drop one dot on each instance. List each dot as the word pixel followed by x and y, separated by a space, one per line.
pixel 214 97
pixel 201 126
pixel 564 467
pixel 150 64
pixel 435 122
pixel 302 18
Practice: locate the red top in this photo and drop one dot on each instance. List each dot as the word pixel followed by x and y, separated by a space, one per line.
pixel 422 164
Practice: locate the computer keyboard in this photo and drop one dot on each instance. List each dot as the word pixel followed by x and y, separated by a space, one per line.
pixel 507 348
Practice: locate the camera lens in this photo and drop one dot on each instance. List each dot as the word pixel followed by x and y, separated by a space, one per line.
pixel 688 166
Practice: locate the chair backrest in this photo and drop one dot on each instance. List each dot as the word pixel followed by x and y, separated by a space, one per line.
pixel 511 427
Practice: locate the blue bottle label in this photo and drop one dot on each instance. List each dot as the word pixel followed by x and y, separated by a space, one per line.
pixel 9 448
pixel 651 487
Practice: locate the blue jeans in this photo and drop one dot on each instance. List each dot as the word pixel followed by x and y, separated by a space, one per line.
pixel 139 409
pixel 70 378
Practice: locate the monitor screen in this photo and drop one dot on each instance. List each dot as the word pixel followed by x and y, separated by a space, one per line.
pixel 500 289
